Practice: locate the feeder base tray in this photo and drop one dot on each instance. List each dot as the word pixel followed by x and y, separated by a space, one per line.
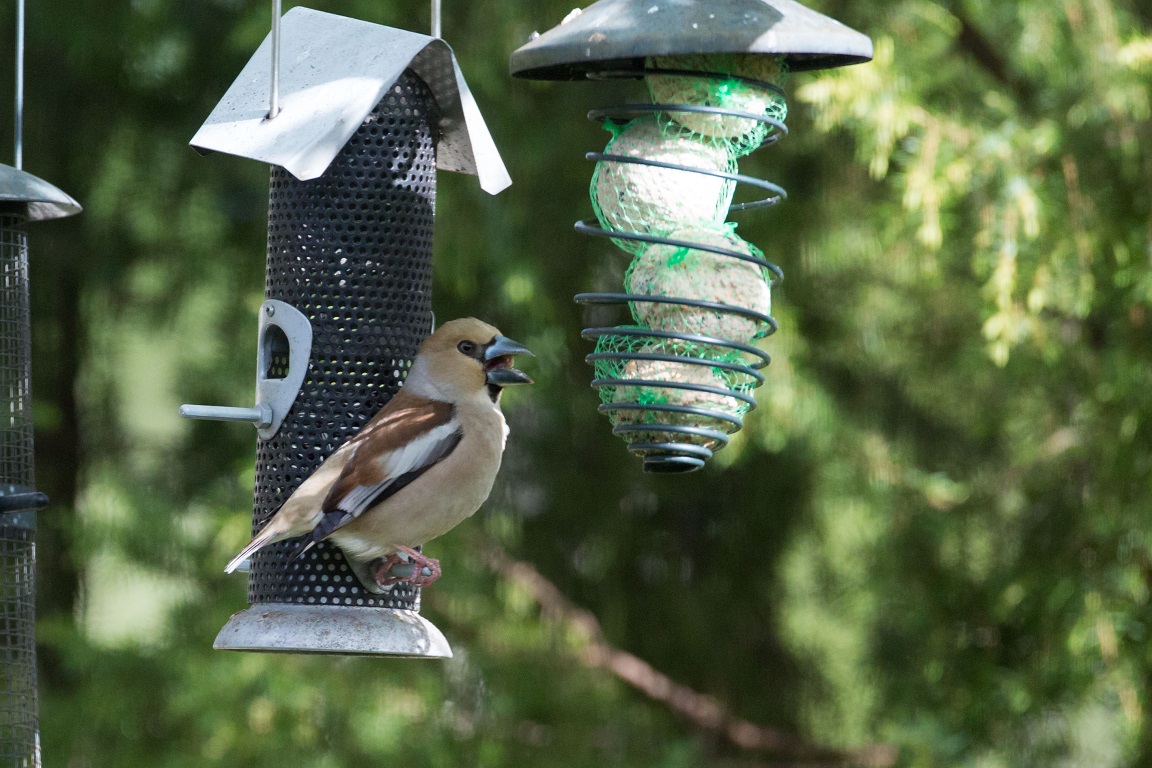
pixel 338 629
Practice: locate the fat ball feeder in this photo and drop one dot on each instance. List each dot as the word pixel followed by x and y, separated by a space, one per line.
pixel 677 383
pixel 354 127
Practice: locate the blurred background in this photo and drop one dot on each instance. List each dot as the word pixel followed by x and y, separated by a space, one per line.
pixel 929 547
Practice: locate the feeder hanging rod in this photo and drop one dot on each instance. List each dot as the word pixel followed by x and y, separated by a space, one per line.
pixel 274 96
pixel 19 119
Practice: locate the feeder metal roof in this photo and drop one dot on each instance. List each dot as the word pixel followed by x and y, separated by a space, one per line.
pixel 333 72
pixel 619 34
pixel 32 197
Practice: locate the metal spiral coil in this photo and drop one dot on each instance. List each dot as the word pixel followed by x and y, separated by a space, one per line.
pixel 666 445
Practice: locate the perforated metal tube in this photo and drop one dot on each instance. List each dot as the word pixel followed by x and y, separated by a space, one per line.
pixel 352 250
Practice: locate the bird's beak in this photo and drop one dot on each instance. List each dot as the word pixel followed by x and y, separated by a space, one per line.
pixel 498 362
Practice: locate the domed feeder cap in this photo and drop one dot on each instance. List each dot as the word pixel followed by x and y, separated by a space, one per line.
pixel 33 198
pixel 620 34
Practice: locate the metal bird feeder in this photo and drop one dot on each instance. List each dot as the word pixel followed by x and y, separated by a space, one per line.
pixel 677 383
pixel 23 198
pixel 365 116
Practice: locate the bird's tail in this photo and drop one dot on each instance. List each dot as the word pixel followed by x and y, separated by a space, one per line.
pixel 262 539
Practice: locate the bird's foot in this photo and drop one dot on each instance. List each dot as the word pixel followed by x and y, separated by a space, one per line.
pixel 416 569
pixel 420 564
pixel 384 576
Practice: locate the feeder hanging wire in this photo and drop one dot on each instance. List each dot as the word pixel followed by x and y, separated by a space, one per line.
pixel 274 95
pixel 18 139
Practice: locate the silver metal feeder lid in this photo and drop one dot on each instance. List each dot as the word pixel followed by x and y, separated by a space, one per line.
pixel 621 33
pixel 334 71
pixel 33 198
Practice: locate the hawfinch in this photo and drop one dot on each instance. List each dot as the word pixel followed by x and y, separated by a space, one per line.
pixel 422 464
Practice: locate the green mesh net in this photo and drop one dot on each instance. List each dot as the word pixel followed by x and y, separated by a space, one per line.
pixel 680 272
pixel 648 200
pixel 694 387
pixel 722 83
pixel 695 366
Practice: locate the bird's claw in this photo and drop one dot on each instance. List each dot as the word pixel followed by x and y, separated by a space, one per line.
pixel 420 579
pixel 412 572
pixel 384 577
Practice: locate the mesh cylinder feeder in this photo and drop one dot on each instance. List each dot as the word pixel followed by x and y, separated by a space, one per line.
pixel 677 382
pixel 23 198
pixel 366 114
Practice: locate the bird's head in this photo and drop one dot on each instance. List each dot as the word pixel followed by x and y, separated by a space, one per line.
pixel 464 358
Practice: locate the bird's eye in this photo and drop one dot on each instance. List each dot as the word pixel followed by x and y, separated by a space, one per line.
pixel 467 347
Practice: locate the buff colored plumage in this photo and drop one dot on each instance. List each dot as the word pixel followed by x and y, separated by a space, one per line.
pixel 422 465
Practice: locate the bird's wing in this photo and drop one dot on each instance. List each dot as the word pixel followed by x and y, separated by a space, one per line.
pixel 391 451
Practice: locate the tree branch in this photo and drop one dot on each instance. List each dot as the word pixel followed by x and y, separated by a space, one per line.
pixel 987 54
pixel 702 710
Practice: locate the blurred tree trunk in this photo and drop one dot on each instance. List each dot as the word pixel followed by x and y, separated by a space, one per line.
pixel 58 465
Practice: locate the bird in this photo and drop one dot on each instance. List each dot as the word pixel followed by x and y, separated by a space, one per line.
pixel 423 464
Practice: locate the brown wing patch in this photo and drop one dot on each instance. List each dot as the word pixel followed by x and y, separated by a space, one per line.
pixel 404 418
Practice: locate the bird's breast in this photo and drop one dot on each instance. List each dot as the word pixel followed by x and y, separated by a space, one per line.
pixel 439 500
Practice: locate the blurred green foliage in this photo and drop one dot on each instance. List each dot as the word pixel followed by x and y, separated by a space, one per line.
pixel 933 533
